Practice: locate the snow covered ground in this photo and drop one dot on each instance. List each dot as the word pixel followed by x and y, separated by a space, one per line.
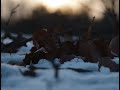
pixel 68 79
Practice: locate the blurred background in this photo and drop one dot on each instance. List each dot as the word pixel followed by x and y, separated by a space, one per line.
pixel 73 15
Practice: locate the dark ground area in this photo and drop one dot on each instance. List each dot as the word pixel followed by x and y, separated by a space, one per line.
pixel 77 25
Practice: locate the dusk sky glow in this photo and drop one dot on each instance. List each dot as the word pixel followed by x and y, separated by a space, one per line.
pixel 65 7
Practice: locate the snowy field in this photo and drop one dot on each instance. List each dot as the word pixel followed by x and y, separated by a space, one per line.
pixel 12 79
